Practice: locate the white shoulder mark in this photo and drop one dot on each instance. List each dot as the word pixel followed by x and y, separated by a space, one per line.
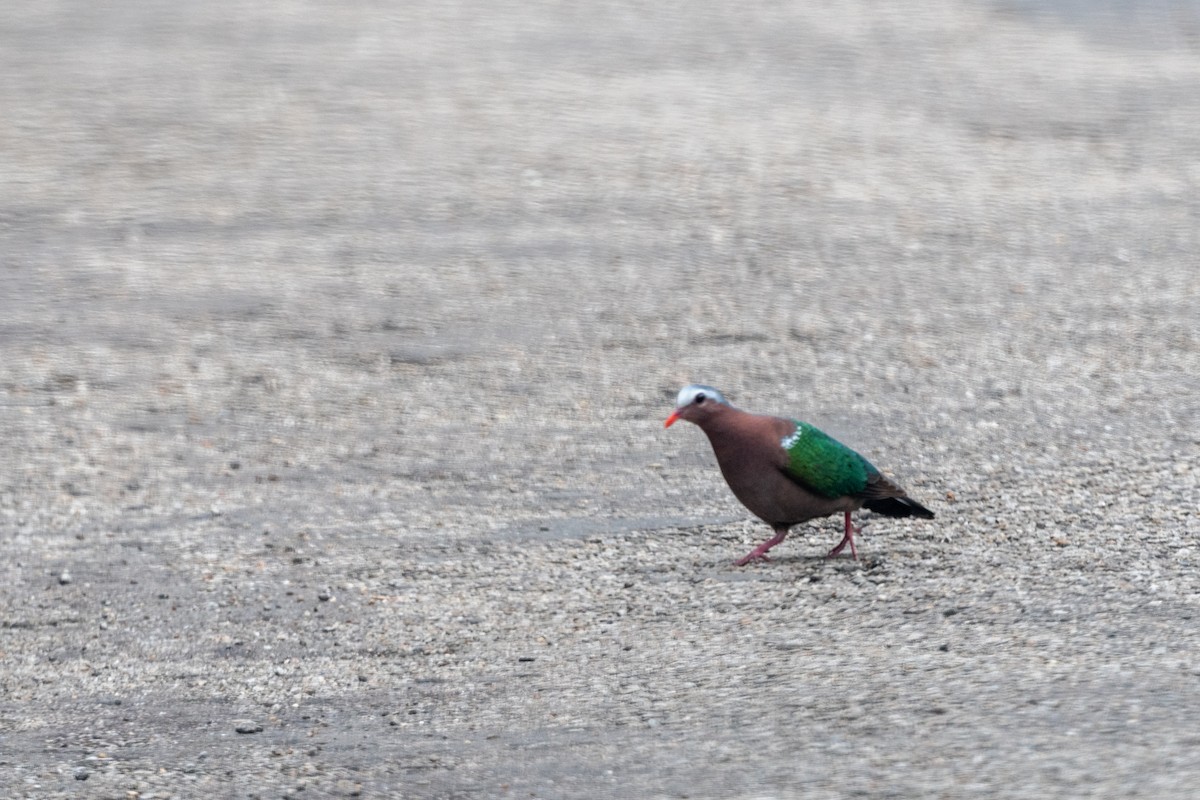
pixel 788 441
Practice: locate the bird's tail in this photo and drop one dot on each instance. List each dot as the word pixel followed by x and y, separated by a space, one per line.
pixel 898 507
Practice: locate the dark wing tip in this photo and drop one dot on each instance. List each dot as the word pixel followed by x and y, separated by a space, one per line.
pixel 898 507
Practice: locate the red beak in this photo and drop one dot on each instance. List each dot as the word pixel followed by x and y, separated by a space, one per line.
pixel 671 419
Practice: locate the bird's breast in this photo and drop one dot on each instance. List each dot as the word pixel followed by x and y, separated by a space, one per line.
pixel 754 473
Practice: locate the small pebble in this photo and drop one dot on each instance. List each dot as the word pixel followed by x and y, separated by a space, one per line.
pixel 81 774
pixel 349 788
pixel 246 726
pixel 64 578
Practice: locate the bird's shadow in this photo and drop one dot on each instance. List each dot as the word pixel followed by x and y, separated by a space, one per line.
pixel 814 567
pixel 864 562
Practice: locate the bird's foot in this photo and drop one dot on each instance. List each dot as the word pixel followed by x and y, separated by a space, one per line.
pixel 760 552
pixel 848 539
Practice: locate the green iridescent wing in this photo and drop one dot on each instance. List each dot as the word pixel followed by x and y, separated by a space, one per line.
pixel 824 464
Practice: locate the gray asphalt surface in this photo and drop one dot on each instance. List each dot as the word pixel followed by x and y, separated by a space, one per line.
pixel 337 339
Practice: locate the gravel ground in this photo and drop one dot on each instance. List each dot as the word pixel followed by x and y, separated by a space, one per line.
pixel 337 339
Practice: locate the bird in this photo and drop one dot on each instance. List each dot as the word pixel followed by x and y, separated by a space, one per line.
pixel 787 472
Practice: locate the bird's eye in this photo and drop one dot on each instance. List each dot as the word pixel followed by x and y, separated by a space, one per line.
pixel 700 398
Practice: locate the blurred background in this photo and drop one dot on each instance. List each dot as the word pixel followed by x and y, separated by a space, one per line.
pixel 423 272
pixel 228 222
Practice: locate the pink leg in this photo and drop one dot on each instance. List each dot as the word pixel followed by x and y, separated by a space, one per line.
pixel 761 550
pixel 848 539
